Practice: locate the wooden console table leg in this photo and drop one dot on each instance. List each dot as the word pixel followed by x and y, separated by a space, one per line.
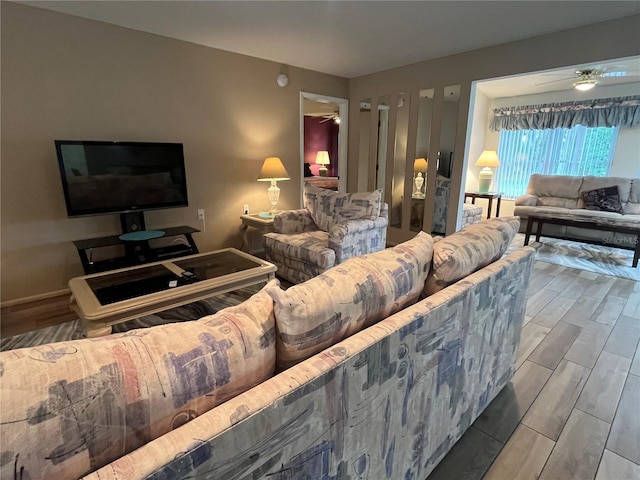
pixel 498 206
pixel 489 208
pixel 636 252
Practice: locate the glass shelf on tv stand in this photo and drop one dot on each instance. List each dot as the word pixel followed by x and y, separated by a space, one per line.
pixel 136 252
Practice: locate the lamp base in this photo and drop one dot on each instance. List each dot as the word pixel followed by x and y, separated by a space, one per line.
pixel 484 180
pixel 323 171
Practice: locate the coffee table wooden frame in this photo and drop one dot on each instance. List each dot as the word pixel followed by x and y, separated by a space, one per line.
pixel 584 223
pixel 98 318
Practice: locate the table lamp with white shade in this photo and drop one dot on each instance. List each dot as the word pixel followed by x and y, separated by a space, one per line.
pixel 488 159
pixel 272 171
pixel 420 165
pixel 322 159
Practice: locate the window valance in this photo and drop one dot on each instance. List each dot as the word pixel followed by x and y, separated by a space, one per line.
pixel 602 112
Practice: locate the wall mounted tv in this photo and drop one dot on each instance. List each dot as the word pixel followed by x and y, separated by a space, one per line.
pixel 121 177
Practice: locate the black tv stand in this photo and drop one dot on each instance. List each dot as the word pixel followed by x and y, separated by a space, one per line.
pixel 135 252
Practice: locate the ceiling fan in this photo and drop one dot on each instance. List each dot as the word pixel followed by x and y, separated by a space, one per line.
pixel 587 78
pixel 333 116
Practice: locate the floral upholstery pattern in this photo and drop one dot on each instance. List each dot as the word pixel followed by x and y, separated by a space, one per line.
pixel 443 186
pixel 386 403
pixel 302 250
pixel 363 290
pixel 471 214
pixel 88 402
pixel 329 208
pixel 294 221
pixel 469 249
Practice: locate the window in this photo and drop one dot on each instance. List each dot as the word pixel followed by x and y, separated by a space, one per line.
pixel 560 151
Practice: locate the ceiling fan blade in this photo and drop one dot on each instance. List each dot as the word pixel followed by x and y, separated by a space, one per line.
pixel 559 80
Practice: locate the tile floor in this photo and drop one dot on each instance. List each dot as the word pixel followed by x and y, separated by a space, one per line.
pixel 572 409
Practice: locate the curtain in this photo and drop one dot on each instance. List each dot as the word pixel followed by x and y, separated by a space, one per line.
pixel 603 112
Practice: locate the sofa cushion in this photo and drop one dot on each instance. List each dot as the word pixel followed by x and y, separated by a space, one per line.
pixel 606 199
pixel 313 315
pixel 595 183
pixel 328 207
pixel 633 205
pixel 555 190
pixel 69 408
pixel 468 250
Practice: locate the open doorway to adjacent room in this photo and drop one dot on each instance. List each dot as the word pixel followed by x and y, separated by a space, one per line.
pixel 323 128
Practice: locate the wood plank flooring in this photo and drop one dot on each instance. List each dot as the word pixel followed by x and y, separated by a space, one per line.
pixel 572 409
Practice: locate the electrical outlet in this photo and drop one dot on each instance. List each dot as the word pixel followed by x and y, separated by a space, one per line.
pixel 201 214
pixel 245 209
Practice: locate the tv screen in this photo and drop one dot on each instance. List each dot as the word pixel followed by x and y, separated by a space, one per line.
pixel 121 177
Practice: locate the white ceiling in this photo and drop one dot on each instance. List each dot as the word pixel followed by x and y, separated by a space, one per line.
pixel 347 38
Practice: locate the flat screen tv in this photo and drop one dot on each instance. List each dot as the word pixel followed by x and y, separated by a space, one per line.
pixel 121 177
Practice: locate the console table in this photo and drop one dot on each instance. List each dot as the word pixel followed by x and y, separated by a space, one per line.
pixel 105 299
pixel 136 252
pixel 491 196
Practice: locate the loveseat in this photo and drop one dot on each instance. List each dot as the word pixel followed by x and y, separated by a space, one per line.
pixel 414 342
pixel 563 195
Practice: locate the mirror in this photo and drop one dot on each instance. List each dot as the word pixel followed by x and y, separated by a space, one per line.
pixel 448 126
pixel 383 134
pixel 363 149
pixel 420 164
pixel 399 160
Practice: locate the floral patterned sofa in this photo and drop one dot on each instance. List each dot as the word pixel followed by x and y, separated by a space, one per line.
pixel 331 228
pixel 381 364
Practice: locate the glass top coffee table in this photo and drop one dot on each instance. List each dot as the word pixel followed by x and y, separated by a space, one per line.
pixel 108 298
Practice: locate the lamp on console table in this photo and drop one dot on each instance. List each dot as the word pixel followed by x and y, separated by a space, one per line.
pixel 272 171
pixel 488 159
pixel 322 159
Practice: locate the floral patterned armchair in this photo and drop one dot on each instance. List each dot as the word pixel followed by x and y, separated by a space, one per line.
pixel 332 228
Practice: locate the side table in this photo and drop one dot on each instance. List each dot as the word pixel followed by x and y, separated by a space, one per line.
pixel 254 220
pixel 489 196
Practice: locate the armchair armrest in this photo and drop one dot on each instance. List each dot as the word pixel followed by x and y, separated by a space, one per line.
pixel 527 200
pixel 294 221
pixel 358 237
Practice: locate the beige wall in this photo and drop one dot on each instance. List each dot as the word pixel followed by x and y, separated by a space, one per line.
pixel 607 40
pixel 65 77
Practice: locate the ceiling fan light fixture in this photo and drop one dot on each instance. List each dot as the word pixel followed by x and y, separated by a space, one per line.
pixel 584 85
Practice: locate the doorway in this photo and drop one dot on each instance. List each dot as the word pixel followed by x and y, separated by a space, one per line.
pixel 324 119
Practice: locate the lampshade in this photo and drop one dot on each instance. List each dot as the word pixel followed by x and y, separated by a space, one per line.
pixel 488 158
pixel 322 158
pixel 272 169
pixel 420 165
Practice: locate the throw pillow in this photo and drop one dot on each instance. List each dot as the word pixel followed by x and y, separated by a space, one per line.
pixel 328 207
pixel 314 315
pixel 604 199
pixel 468 250
pixel 88 402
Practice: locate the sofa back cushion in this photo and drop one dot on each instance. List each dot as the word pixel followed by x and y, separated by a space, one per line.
pixel 468 250
pixel 314 315
pixel 633 205
pixel 69 408
pixel 328 207
pixel 556 190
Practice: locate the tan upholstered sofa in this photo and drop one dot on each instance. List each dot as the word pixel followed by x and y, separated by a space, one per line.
pixel 381 384
pixel 562 195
